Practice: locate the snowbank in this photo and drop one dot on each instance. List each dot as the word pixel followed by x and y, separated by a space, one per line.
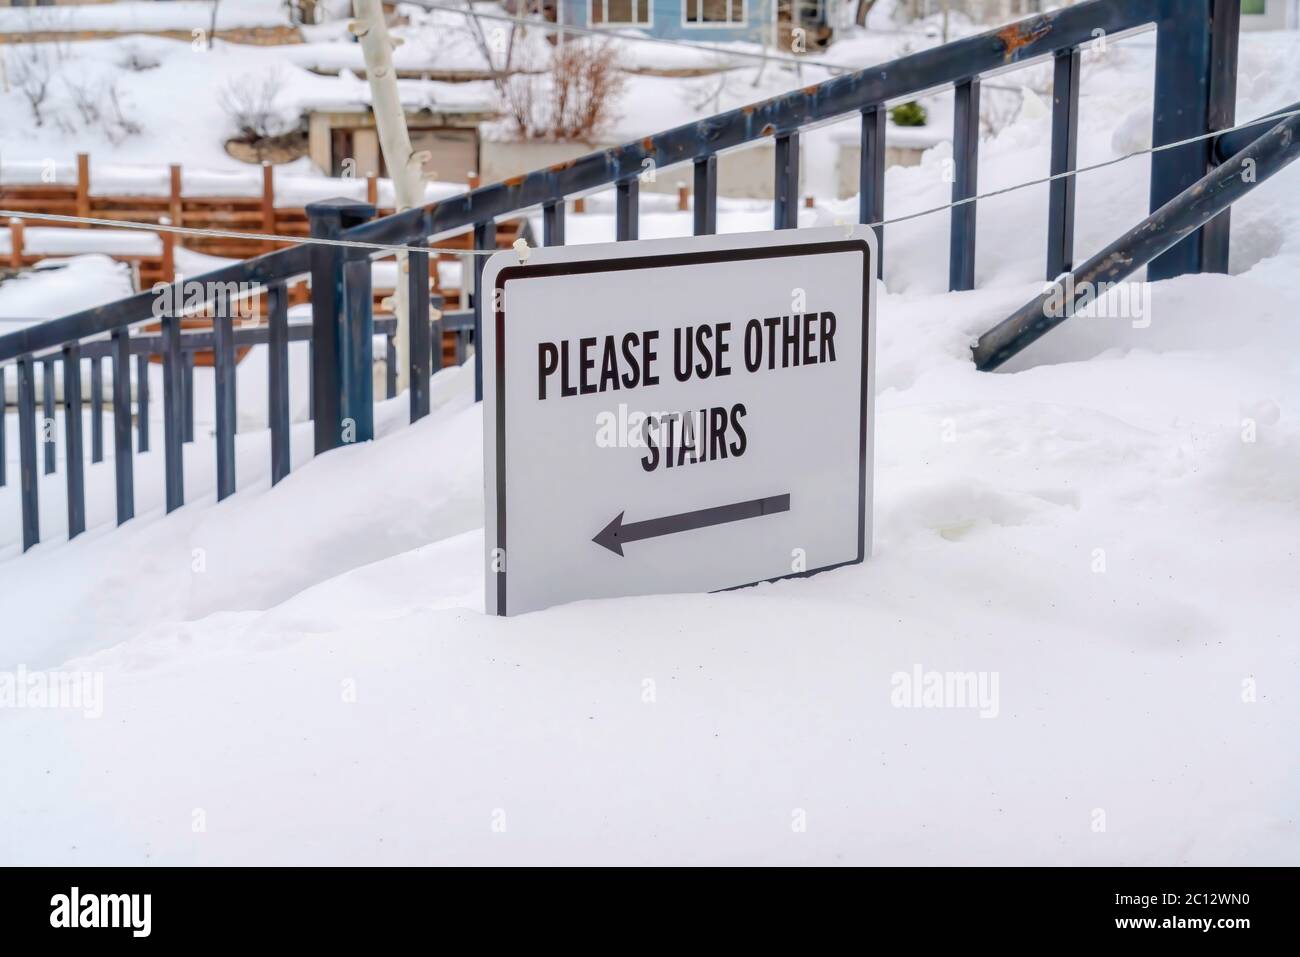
pixel 131 17
pixel 1107 530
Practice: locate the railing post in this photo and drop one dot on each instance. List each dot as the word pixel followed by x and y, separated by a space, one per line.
pixel 167 260
pixel 485 237
pixel 871 177
pixel 27 451
pixel 706 195
pixel 419 352
pixel 553 224
pixel 16 242
pixel 223 369
pixel 83 185
pixel 173 398
pixel 175 203
pixel 74 464
pixel 1065 155
pixel 96 409
pixel 329 383
pixel 1195 93
pixel 390 366
pixel 187 387
pixel 786 192
pixel 358 392
pixel 268 202
pixel 50 424
pixel 436 333
pixel 627 209
pixel 142 399
pixel 965 154
pixel 277 364
pixel 122 425
pixel 311 381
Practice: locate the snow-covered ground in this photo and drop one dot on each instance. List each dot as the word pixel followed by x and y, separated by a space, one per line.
pixel 1109 529
pixel 101 96
pixel 139 16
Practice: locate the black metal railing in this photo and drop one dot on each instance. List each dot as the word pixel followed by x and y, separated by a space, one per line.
pixel 1270 151
pixel 1194 94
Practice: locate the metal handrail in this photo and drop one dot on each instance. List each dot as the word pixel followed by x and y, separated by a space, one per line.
pixel 778 117
pixel 1181 216
pixel 1194 95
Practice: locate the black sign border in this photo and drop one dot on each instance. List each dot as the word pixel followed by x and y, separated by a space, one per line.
pixel 702 257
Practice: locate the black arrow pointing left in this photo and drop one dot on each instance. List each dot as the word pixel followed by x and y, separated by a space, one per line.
pixel 617 534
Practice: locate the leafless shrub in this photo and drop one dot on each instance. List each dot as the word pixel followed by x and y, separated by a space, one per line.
pixel 32 71
pixel 99 108
pixel 85 99
pixel 117 125
pixel 137 60
pixel 210 37
pixel 574 100
pixel 705 95
pixel 251 102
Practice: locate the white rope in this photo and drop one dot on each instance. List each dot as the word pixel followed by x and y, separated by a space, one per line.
pixel 386 248
pixel 1088 169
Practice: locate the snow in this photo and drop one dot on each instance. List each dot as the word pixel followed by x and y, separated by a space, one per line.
pixel 1109 527
pixel 195 135
pixel 145 16
pixel 58 287
pixel 57 241
pixel 133 68
pixel 435 41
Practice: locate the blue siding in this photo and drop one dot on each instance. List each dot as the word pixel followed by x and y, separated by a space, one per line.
pixel 667 21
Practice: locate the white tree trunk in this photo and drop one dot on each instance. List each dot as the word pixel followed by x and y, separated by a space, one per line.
pixel 404 167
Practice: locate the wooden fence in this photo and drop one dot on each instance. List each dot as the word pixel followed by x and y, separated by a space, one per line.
pixel 252 214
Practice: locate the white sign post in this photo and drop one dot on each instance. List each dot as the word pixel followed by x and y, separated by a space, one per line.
pixel 677 415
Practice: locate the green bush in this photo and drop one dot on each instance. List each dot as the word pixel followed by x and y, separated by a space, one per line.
pixel 910 113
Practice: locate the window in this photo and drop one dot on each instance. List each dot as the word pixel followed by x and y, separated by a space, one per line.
pixel 620 12
pixel 809 11
pixel 724 12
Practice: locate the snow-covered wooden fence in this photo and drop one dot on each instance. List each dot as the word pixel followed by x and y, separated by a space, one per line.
pixel 152 256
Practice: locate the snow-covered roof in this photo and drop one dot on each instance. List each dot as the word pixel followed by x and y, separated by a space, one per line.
pixel 348 93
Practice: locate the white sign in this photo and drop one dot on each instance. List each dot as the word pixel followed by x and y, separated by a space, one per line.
pixel 677 415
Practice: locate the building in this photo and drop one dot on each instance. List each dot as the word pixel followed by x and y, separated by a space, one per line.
pixel 343 133
pixel 979 11
pixel 706 21
pixel 442 118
